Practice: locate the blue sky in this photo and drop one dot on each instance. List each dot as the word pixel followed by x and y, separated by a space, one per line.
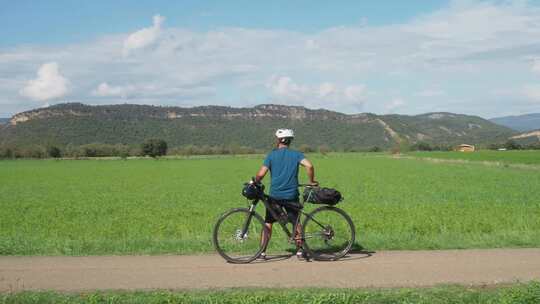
pixel 52 22
pixel 411 57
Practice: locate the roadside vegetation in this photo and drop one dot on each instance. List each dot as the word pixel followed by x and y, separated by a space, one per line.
pixel 517 294
pixel 146 206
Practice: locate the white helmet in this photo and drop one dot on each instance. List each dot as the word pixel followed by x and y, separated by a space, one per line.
pixel 284 133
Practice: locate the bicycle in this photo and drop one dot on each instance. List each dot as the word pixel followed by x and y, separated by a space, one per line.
pixel 327 233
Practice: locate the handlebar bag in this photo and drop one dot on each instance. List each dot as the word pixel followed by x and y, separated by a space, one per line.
pixel 325 196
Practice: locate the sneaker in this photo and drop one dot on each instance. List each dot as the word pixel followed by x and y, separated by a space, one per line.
pixel 262 256
pixel 300 254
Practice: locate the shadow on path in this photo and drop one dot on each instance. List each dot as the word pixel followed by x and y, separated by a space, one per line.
pixel 357 252
pixel 273 258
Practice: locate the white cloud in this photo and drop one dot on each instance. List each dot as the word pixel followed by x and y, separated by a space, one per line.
pixel 326 89
pixel 463 48
pixel 144 37
pixel 49 84
pixel 536 65
pixel 532 92
pixel 105 90
pixel 146 90
pixel 431 93
pixel 473 21
pixel 328 95
pixel 394 104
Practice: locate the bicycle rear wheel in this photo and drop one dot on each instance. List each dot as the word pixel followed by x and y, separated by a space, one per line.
pixel 328 233
pixel 230 241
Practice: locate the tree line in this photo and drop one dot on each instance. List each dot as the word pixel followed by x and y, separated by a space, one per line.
pixel 159 147
pixel 150 147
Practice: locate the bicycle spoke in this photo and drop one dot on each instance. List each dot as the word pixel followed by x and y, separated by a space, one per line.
pixel 328 233
pixel 231 241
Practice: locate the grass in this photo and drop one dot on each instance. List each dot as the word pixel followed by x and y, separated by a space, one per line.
pixel 93 207
pixel 518 294
pixel 530 157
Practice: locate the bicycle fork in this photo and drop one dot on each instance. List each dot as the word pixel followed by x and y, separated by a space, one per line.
pixel 247 222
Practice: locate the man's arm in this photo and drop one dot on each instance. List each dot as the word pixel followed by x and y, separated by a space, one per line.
pixel 260 175
pixel 310 171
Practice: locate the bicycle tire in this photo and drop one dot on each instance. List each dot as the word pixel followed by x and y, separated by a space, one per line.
pixel 312 223
pixel 256 218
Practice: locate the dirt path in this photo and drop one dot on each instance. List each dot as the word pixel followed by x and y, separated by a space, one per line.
pixel 382 269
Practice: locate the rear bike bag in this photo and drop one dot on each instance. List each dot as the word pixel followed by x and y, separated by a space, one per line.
pixel 324 196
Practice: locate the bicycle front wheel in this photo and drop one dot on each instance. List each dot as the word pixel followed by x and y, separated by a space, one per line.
pixel 328 233
pixel 237 235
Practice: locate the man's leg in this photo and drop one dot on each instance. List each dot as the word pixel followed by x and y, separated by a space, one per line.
pixel 266 235
pixel 298 236
pixel 294 217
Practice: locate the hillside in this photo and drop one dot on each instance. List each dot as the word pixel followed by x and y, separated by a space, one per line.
pixel 77 124
pixel 527 138
pixel 521 123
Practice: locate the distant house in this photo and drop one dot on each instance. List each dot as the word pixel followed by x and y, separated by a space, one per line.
pixel 466 148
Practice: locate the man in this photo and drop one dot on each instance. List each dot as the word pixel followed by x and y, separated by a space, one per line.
pixel 283 164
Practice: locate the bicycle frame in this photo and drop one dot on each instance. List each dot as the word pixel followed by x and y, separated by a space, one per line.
pixel 266 201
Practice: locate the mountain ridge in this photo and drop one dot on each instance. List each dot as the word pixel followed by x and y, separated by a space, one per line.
pixel 77 124
pixel 522 123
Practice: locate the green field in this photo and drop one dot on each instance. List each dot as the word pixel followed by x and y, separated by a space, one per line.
pixel 530 157
pixel 517 294
pixel 145 206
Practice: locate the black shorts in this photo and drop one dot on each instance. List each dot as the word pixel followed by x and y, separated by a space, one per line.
pixel 279 206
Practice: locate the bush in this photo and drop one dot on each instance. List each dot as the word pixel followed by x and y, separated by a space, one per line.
pixel 305 148
pixel 98 150
pixel 324 149
pixel 30 152
pixel 88 150
pixel 6 152
pixel 375 149
pixel 443 147
pixel 154 147
pixel 421 146
pixel 512 145
pixel 53 152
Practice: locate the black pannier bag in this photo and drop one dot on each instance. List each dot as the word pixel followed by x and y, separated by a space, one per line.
pixel 252 191
pixel 325 196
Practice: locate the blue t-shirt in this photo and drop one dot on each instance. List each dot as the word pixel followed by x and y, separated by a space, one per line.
pixel 283 164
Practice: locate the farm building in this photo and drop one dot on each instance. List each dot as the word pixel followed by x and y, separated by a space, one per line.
pixel 466 148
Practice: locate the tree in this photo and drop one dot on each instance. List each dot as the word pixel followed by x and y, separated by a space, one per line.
pixel 421 146
pixel 54 152
pixel 512 145
pixel 154 147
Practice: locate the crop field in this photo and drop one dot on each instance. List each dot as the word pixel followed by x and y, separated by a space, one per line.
pixel 146 206
pixel 530 157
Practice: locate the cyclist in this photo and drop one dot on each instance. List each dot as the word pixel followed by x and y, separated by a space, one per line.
pixel 283 164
